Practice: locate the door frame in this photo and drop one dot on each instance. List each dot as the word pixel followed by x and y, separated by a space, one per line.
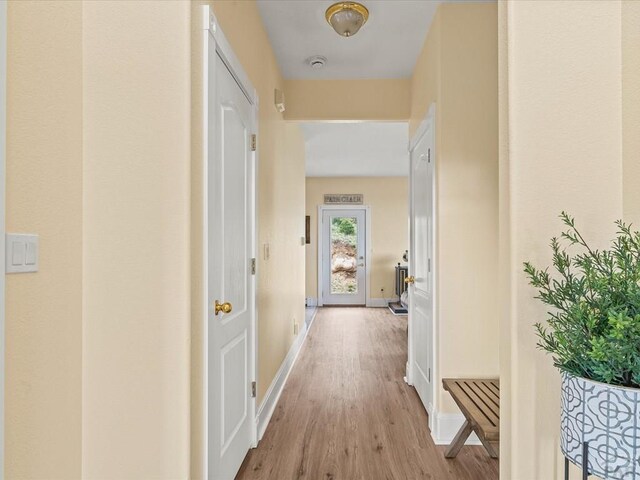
pixel 367 248
pixel 428 125
pixel 3 142
pixel 214 38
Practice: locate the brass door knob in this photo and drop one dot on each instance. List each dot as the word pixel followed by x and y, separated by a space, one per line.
pixel 410 280
pixel 225 307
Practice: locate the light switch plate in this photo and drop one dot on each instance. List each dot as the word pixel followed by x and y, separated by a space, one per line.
pixel 21 254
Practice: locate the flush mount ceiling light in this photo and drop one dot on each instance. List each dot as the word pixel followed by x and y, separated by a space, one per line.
pixel 346 18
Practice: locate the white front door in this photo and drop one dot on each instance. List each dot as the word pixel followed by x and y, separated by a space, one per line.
pixel 230 283
pixel 421 292
pixel 343 257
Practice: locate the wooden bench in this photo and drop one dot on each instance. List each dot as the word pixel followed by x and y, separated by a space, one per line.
pixel 479 401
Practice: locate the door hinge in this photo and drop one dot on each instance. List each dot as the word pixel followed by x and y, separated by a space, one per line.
pixel 253 389
pixel 253 142
pixel 429 374
pixel 429 265
pixel 253 266
pixel 429 155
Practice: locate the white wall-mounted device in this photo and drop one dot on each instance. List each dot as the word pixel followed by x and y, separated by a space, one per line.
pixel 21 253
pixel 278 100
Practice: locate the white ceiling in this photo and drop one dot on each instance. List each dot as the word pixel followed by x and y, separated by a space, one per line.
pixel 387 46
pixel 364 149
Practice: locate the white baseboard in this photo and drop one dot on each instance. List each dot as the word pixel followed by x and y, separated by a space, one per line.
pixel 309 314
pixel 380 302
pixel 268 405
pixel 446 426
pixel 373 302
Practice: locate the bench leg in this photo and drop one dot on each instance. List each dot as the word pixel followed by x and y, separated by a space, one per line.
pixel 493 453
pixel 458 442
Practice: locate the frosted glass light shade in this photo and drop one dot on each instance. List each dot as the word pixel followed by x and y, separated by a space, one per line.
pixel 347 18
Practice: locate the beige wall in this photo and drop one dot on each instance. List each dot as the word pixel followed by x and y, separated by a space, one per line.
pixel 560 70
pixel 388 198
pixel 380 99
pixel 136 240
pixel 280 207
pixel 44 196
pixel 426 78
pixel 631 109
pixel 504 241
pixel 459 73
pixel 98 163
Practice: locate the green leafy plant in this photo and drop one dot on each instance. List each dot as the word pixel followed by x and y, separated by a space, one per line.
pixel 345 225
pixel 343 229
pixel 593 329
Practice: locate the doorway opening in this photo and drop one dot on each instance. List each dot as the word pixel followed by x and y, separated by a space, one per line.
pixel 355 166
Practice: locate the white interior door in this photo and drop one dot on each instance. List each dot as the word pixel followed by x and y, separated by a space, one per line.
pixel 421 291
pixel 344 257
pixel 230 283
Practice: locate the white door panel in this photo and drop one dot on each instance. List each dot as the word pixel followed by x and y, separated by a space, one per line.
pixel 235 149
pixel 230 233
pixel 344 260
pixel 234 412
pixel 421 292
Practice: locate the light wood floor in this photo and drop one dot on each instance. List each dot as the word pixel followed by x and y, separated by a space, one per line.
pixel 346 413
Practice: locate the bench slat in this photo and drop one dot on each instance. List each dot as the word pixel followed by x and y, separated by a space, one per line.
pixel 487 400
pixel 490 393
pixel 495 386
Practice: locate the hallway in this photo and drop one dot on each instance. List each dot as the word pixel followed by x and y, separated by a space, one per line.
pixel 346 413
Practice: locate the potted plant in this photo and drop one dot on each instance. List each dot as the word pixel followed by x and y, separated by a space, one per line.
pixel 593 335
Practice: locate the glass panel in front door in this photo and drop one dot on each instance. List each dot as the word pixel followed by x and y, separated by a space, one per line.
pixel 344 255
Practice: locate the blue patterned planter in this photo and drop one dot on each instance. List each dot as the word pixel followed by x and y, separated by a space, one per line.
pixel 606 416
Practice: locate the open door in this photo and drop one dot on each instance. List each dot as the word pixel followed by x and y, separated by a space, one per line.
pixel 421 265
pixel 230 120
